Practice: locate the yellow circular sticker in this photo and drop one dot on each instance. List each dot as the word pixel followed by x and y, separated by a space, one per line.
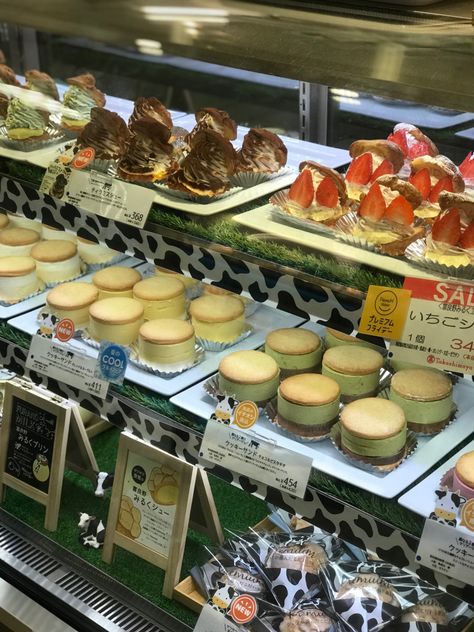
pixel 245 415
pixel 467 515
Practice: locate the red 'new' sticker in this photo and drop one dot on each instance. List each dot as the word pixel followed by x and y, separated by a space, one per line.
pixel 83 158
pixel 64 330
pixel 243 609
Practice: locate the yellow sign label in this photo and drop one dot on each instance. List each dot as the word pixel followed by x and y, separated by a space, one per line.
pixel 467 515
pixel 385 312
pixel 245 415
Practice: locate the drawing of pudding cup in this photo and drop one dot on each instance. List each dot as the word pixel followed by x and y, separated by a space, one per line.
pixel 41 468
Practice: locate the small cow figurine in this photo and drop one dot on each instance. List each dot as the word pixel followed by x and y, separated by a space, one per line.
pixel 447 506
pixel 104 481
pixel 93 531
pixel 47 324
pixel 225 409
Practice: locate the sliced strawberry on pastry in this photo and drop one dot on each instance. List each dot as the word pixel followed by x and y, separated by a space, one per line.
pixel 412 141
pixel 373 205
pixel 360 169
pixel 302 190
pixel 467 238
pixel 400 211
pixel 467 167
pixel 399 138
pixel 385 168
pixel 421 180
pixel 447 227
pixel 444 184
pixel 327 193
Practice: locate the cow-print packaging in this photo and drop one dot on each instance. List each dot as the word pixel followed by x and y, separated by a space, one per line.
pixel 438 613
pixel 309 616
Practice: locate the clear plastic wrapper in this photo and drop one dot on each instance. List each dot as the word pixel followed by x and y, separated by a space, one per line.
pixel 311 616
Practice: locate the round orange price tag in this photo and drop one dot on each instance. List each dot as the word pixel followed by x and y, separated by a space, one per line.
pixel 64 330
pixel 467 515
pixel 83 158
pixel 243 609
pixel 245 414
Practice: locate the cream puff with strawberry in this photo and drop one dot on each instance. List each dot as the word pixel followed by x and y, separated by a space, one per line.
pixel 412 141
pixel 432 175
pixel 387 216
pixel 370 160
pixel 318 194
pixel 467 170
pixel 450 243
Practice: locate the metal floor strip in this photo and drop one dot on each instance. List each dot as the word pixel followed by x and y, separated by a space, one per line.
pixel 79 585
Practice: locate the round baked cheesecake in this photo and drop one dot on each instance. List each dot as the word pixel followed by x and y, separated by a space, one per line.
pixel 18 221
pixel 73 300
pixel 374 430
pixel 116 319
pixel 426 396
pixel 355 368
pixel 335 338
pixel 17 278
pixel 49 233
pixel 161 297
pixel 116 281
pixel 214 290
pixel 295 350
pixel 93 253
pixel 217 318
pixel 464 475
pixel 166 342
pixel 188 282
pixel 308 404
pixel 249 375
pixel 4 220
pixel 56 260
pixel 17 242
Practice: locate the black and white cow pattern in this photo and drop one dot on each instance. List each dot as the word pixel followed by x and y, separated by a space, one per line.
pixel 104 481
pixel 92 531
pixel 47 324
pixel 365 614
pixel 447 506
pixel 225 408
pixel 222 598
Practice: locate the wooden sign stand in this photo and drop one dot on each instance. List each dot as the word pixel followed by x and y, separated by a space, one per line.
pixel 157 537
pixel 40 434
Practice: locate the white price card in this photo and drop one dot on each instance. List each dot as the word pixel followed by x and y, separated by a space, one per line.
pixel 212 620
pixel 447 550
pixel 260 460
pixel 439 327
pixel 64 364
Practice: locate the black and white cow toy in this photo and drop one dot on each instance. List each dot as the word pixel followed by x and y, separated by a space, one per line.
pixel 226 405
pixel 104 481
pixel 93 531
pixel 47 324
pixel 447 506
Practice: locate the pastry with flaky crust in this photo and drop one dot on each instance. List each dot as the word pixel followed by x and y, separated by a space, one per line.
pixel 207 168
pixel 8 77
pixel 149 156
pixel 431 176
pixel 81 96
pixel 150 107
pixel 107 133
pixel 412 141
pixel 41 82
pixel 261 152
pixel 216 120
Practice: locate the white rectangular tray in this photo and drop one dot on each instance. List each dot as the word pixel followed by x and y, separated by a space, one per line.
pixel 328 460
pixel 263 320
pixel 421 498
pixel 40 299
pixel 260 219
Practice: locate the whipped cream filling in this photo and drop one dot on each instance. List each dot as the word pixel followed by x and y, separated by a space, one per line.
pixel 95 253
pixel 80 101
pixel 51 234
pixel 448 259
pixel 427 210
pixel 374 236
pixel 16 251
pixel 388 194
pixel 15 288
pixel 53 271
pixel 23 116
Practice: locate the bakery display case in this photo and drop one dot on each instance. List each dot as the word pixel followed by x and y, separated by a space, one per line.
pixel 223 213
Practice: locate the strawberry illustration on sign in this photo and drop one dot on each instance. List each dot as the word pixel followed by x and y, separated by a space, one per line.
pixel 83 158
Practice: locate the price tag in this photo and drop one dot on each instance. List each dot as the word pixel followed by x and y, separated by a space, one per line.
pixel 385 312
pixel 112 362
pixel 439 329
pixel 212 620
pixel 64 364
pixel 258 459
pixel 447 550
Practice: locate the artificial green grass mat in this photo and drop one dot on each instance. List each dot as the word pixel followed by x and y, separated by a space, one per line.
pixel 237 511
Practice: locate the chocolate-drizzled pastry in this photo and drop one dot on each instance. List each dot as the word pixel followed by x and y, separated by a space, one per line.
pixel 206 169
pixel 150 107
pixel 7 76
pixel 81 96
pixel 106 133
pixel 41 82
pixel 149 155
pixel 261 152
pixel 217 120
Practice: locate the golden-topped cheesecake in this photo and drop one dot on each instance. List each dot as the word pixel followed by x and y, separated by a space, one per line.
pixel 249 375
pixel 168 342
pixel 355 368
pixel 161 297
pixel 188 282
pixel 116 281
pixel 217 318
pixel 116 319
pixel 73 300
pixel 17 242
pixel 56 260
pixel 93 253
pixel 295 350
pixel 17 278
pixel 50 233
pixel 19 221
pixel 4 220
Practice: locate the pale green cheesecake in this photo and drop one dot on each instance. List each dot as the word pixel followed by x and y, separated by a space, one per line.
pixel 426 396
pixel 294 349
pixel 308 404
pixel 356 369
pixel 249 375
pixel 335 338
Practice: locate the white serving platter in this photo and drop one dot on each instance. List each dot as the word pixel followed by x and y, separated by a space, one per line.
pixel 260 220
pixel 40 299
pixel 328 460
pixel 263 320
pixel 421 497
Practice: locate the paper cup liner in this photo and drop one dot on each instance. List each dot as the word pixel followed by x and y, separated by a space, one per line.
pixel 87 338
pixel 166 371
pixel 93 267
pixel 41 288
pixel 447 480
pixel 344 228
pixel 211 345
pixel 199 199
pixel 55 136
pixel 271 413
pixel 415 253
pixel 84 271
pixel 211 387
pixel 378 469
pixel 248 179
